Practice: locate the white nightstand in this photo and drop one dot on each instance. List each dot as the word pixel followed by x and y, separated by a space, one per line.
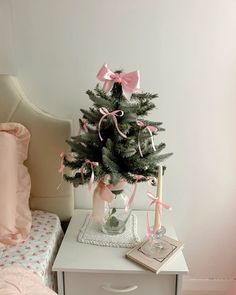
pixel 94 270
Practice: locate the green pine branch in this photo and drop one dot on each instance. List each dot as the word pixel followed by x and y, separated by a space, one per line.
pixel 100 101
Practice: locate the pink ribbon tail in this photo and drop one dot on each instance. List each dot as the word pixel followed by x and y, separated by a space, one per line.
pixel 61 169
pixel 98 206
pixel 117 127
pixel 139 145
pixel 130 201
pixel 159 206
pixel 99 127
pixel 82 170
pixel 91 180
pixel 140 124
pixel 101 194
pixel 150 130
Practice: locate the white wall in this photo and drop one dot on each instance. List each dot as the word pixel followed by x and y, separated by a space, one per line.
pixel 186 51
pixel 7 62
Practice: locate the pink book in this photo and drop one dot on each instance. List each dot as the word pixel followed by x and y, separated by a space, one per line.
pixel 155 264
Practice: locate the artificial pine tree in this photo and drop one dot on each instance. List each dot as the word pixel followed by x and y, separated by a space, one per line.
pixel 117 139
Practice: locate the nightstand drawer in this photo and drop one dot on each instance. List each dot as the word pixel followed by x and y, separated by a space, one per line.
pixel 105 284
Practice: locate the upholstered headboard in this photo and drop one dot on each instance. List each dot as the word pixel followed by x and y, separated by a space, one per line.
pixel 48 136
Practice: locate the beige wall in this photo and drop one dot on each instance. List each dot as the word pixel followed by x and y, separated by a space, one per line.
pixel 186 51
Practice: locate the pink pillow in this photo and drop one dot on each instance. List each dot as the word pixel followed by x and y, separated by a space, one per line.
pixel 15 215
pixel 16 280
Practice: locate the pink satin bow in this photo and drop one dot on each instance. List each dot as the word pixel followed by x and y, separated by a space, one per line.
pixel 150 129
pixel 130 82
pixel 82 170
pixel 83 126
pixel 114 114
pixel 160 205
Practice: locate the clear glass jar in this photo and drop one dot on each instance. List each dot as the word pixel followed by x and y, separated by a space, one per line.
pixel 116 214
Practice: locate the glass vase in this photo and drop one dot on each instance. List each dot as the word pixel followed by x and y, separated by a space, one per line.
pixel 116 214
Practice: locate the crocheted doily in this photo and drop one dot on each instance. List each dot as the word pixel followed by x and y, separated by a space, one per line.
pixel 91 233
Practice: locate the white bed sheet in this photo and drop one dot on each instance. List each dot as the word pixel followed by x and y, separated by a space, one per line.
pixel 37 254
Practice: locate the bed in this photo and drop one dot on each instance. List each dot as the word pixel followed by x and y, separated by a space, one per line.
pixel 49 205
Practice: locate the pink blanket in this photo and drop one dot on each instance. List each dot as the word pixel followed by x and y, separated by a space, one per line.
pixel 15 280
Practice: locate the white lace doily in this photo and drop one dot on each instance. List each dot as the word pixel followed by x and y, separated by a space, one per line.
pixel 91 233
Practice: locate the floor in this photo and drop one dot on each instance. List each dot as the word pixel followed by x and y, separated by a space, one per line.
pixel 202 293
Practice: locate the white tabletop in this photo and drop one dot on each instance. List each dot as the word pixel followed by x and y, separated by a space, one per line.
pixel 78 257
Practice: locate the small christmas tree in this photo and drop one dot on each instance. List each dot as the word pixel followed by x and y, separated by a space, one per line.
pixel 116 140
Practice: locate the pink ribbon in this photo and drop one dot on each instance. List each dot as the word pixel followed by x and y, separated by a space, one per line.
pixel 150 129
pixel 103 193
pixel 82 171
pixel 137 178
pixel 83 126
pixel 61 169
pixel 130 82
pixel 160 205
pixel 118 113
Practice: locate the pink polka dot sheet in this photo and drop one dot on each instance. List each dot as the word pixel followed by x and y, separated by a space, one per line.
pixel 38 252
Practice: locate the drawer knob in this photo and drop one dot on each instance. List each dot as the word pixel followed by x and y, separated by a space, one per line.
pixel 123 290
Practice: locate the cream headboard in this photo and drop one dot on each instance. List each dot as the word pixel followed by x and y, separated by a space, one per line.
pixel 48 137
